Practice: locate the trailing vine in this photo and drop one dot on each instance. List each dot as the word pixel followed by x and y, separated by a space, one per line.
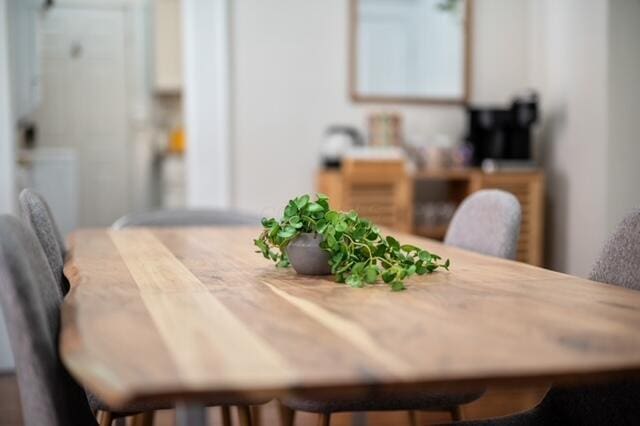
pixel 359 253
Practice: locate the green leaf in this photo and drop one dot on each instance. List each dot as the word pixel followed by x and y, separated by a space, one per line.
pixel 358 268
pixel 424 255
pixel 331 216
pixel 388 276
pixel 324 204
pixel 380 251
pixel 409 248
pixel 284 263
pixel 341 227
pixel 354 280
pixel 268 223
pixel 290 210
pixel 371 274
pixel 321 226
pixel 397 286
pixel 393 243
pixel 264 249
pixel 359 233
pixel 287 232
pixel 314 208
pixel 301 201
pixel 296 222
pixel 323 200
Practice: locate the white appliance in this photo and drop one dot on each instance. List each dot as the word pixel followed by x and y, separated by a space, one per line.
pixel 53 172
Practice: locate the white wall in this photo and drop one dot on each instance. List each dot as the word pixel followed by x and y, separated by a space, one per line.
pixel 290 82
pixel 569 67
pixel 586 63
pixel 624 109
pixel 500 51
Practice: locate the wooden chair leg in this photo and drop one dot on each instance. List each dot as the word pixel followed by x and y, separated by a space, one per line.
pixel 413 417
pixel 225 412
pixel 146 418
pixel 105 418
pixel 324 419
pixel 287 415
pixel 256 415
pixel 244 415
pixel 456 413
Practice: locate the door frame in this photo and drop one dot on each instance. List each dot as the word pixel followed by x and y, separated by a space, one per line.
pixel 7 139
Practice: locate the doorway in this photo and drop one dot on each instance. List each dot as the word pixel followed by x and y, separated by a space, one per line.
pixel 83 114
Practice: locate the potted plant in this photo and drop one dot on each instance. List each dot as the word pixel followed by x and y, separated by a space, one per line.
pixel 317 240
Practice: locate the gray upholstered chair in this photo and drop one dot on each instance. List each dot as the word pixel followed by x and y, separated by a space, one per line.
pixel 616 403
pixel 619 261
pixel 50 397
pixel 377 400
pixel 36 212
pixel 487 222
pixel 186 217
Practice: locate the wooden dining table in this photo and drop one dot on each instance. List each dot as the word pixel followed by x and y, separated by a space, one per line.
pixel 189 315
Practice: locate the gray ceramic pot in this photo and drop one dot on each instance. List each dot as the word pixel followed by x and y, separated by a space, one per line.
pixel 306 256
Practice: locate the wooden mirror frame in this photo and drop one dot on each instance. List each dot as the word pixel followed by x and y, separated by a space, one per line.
pixel 419 100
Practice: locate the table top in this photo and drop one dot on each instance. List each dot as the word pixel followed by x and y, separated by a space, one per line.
pixel 194 312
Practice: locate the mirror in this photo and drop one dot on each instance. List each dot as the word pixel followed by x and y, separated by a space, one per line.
pixel 413 51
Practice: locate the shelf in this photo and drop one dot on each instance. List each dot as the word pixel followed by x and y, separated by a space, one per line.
pixel 445 174
pixel 434 232
pixel 466 174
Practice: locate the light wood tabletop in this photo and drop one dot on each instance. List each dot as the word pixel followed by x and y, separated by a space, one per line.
pixel 191 313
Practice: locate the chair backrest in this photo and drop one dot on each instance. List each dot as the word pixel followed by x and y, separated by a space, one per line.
pixel 619 261
pixel 31 307
pixel 186 217
pixel 487 222
pixel 35 212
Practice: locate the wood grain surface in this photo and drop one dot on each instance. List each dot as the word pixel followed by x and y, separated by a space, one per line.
pixel 194 313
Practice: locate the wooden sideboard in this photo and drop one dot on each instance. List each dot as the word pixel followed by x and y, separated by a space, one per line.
pixel 380 191
pixel 384 192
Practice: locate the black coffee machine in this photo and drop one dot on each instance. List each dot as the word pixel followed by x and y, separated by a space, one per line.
pixel 503 134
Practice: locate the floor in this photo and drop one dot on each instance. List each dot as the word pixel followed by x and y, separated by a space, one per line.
pixel 495 402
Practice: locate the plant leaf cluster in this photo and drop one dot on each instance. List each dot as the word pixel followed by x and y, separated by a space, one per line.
pixel 359 253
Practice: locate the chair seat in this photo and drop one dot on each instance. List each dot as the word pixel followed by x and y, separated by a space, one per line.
pixel 97 404
pixel 383 400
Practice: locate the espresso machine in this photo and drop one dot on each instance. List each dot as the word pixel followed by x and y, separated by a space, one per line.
pixel 503 135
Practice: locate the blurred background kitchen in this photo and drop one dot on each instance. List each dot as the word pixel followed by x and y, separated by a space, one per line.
pixel 398 108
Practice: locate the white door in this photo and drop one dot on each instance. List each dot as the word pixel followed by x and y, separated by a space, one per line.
pixel 84 104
